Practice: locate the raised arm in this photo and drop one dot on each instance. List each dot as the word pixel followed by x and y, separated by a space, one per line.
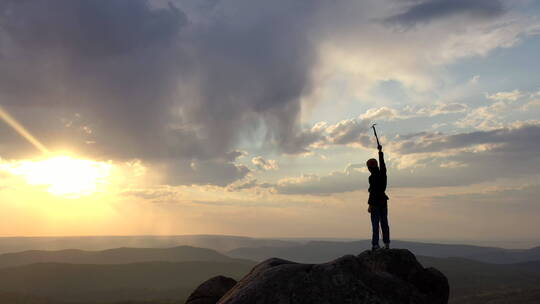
pixel 382 165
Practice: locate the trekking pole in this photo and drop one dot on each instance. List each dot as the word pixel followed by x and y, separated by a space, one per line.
pixel 375 132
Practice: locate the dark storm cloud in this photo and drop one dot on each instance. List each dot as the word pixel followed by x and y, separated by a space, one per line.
pixel 429 10
pixel 124 79
pixel 178 85
pixel 205 172
pixel 252 65
pixel 301 141
pixel 110 63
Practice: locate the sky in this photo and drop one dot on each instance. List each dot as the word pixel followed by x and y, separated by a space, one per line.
pixel 243 117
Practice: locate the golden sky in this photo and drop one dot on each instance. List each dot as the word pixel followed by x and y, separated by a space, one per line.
pixel 253 117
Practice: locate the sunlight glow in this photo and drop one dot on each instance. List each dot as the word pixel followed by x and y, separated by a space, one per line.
pixel 64 176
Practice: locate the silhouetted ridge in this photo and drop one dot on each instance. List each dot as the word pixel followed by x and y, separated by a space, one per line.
pixel 87 283
pixel 122 255
pixel 321 251
pixel 384 276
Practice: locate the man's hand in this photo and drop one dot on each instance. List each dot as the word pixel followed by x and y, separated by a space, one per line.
pixel 379 147
pixel 369 209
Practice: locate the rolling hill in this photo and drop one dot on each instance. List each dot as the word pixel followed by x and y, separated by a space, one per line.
pixel 470 278
pixel 161 275
pixel 114 256
pixel 320 251
pixel 114 282
pixel 217 242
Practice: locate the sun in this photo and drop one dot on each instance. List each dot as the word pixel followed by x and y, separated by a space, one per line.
pixel 65 176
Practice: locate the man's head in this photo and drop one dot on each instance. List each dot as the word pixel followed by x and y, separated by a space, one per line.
pixel 372 165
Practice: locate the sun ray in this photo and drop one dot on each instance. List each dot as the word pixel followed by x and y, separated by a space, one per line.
pixel 12 122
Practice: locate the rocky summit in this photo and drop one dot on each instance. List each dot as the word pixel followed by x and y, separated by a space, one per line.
pixel 384 276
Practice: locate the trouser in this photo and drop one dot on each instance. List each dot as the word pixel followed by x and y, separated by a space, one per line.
pixel 379 215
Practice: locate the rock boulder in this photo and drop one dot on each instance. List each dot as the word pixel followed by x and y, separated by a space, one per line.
pixel 386 276
pixel 211 290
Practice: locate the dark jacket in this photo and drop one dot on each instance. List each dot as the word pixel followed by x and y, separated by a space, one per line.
pixel 377 184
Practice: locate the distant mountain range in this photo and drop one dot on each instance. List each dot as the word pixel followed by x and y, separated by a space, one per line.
pixel 320 251
pixel 468 277
pixel 221 243
pixel 115 256
pixel 38 276
pixel 258 249
pixel 167 275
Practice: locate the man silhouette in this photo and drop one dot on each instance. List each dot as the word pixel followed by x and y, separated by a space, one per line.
pixel 377 201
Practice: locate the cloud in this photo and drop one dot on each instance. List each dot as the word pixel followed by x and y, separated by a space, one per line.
pixel 381 113
pixel 304 141
pixel 185 83
pixel 243 186
pixel 349 131
pixel 204 172
pixel 353 178
pixel 76 59
pixel 154 83
pixel 264 165
pixel 485 117
pixel 474 80
pixel 525 136
pixel 448 108
pixel 357 131
pixel 312 184
pixel 353 132
pixel 437 160
pixel 157 195
pixel 530 105
pixel 322 135
pixel 452 164
pixel 429 10
pixel 506 96
pixel 408 112
pixel 467 158
pixel 510 200
pixel 492 116
pixel 250 184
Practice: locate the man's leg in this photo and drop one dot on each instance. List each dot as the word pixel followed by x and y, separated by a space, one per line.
pixel 384 224
pixel 375 214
